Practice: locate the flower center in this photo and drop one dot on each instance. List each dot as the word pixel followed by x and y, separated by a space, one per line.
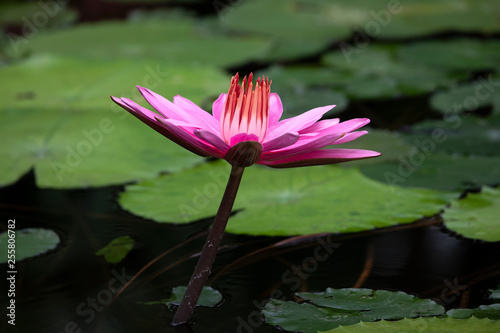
pixel 246 109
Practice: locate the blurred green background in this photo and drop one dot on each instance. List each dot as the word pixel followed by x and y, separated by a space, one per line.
pixel 396 62
pixel 427 74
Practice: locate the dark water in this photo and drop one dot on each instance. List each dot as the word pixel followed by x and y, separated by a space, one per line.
pixel 72 290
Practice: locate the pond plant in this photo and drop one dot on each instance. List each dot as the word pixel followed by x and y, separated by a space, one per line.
pixel 244 129
pixel 110 218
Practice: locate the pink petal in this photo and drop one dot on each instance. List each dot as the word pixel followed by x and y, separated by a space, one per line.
pixel 146 116
pixel 206 136
pixel 189 139
pixel 320 125
pixel 345 126
pixel 161 104
pixel 275 109
pixel 186 127
pixel 283 141
pixel 134 108
pixel 320 157
pixel 218 106
pixel 212 139
pixel 302 146
pixel 297 123
pixel 349 137
pixel 173 111
pixel 240 137
pixel 197 112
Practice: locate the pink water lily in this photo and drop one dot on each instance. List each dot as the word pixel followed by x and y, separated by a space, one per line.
pixel 246 117
pixel 244 128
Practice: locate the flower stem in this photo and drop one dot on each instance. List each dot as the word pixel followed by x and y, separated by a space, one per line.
pixel 204 266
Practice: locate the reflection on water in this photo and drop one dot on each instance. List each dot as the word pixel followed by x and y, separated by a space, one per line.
pixel 72 289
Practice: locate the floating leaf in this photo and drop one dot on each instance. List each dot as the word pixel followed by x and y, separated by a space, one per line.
pixel 476 216
pixel 464 54
pixel 426 17
pixel 57 117
pixel 282 201
pixel 335 307
pixel 34 17
pixel 419 325
pixel 460 133
pixel 304 88
pixel 483 311
pixel 298 28
pixel 304 27
pixel 302 76
pixel 300 100
pixel 495 294
pixel 174 41
pixel 291 19
pixel 159 2
pixel 208 297
pixel 66 84
pixel 29 243
pixel 415 163
pixel 391 144
pixel 117 249
pixel 390 78
pixel 416 168
pixel 470 97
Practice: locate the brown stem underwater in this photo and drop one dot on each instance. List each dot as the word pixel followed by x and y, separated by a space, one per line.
pixel 204 266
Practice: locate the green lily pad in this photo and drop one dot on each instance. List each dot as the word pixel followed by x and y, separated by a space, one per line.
pixel 495 294
pixel 117 249
pixel 336 307
pixel 391 144
pixel 461 134
pixel 155 1
pixel 419 325
pixel 297 28
pixel 29 243
pixel 483 311
pixel 304 88
pixel 57 117
pixel 209 297
pixel 417 164
pixel 301 76
pixel 285 19
pixel 491 311
pixel 476 216
pixel 427 17
pixel 358 78
pixel 281 50
pixel 470 97
pixel 457 153
pixel 72 83
pixel 282 201
pixel 464 54
pixel 415 168
pixel 36 16
pixel 157 13
pixel 302 99
pixel 304 27
pixel 29 19
pixel 174 41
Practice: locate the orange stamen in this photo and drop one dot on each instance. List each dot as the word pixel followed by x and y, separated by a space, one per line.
pixel 246 109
